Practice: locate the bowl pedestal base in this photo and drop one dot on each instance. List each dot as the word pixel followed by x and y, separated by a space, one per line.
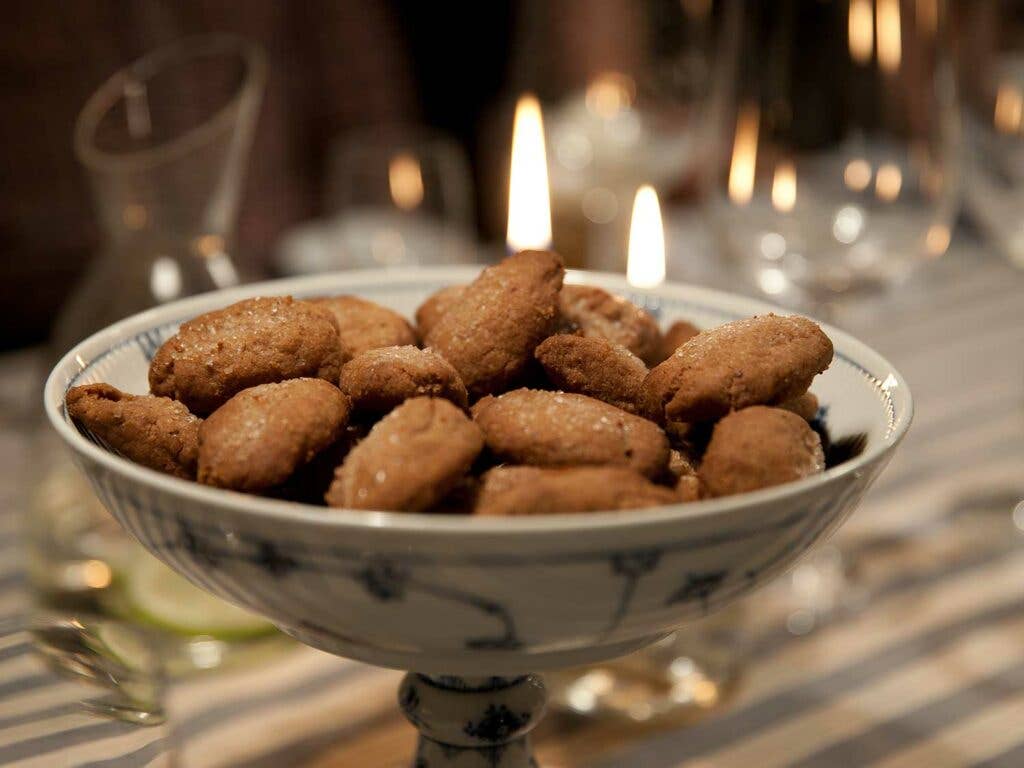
pixel 473 722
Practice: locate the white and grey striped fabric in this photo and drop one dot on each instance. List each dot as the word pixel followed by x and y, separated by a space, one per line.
pixel 921 662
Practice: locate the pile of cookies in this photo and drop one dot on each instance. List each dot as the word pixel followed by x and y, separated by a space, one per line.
pixel 513 395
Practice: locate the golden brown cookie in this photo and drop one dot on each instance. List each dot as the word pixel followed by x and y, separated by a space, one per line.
pixel 380 379
pixel 805 406
pixel 255 341
pixel 553 429
pixel 510 491
pixel 262 435
pixel 435 306
pixel 156 432
pixel 759 360
pixel 595 367
pixel 758 447
pixel 364 325
pixel 411 459
pixel 490 334
pixel 595 312
pixel 678 334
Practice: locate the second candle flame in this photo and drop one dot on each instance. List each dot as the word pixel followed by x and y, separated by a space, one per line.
pixel 529 203
pixel 645 265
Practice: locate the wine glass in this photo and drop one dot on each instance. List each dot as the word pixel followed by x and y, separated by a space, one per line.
pixel 395 195
pixel 837 160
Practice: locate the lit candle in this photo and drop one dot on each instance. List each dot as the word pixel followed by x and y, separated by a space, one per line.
pixel 529 201
pixel 645 264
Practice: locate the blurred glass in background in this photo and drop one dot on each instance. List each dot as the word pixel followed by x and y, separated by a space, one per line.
pixel 837 163
pixel 991 76
pixel 395 196
pixel 165 143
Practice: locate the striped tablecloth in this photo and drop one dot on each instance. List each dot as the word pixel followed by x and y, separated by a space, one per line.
pixel 918 662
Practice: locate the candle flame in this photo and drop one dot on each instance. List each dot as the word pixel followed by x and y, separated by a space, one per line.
pixel 405 178
pixel 645 265
pixel 529 202
pixel 784 187
pixel 744 155
pixel 887 21
pixel 860 29
pixel 1009 108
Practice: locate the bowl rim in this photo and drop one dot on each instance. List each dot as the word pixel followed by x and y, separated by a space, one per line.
pixel 85 352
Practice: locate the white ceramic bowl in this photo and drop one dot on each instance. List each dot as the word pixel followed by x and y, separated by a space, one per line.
pixel 467 596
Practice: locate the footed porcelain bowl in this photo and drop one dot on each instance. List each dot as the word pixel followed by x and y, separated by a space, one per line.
pixel 483 599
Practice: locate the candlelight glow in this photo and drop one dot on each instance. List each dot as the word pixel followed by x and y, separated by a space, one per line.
pixel 645 265
pixel 936 241
pixel 406 180
pixel 888 181
pixel 529 202
pixel 1009 108
pixel 784 187
pixel 857 175
pixel 890 48
pixel 610 93
pixel 744 155
pixel 861 31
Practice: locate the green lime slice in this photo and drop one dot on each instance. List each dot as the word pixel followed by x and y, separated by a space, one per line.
pixel 155 594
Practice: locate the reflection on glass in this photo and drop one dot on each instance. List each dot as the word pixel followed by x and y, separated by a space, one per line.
pixel 839 168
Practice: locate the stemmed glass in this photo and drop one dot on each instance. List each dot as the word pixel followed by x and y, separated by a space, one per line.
pixel 837 167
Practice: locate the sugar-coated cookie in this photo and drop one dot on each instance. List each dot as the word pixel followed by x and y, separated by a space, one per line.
pixel 262 435
pixel 255 341
pixel 758 447
pixel 595 312
pixel 364 325
pixel 512 491
pixel 766 359
pixel 156 432
pixel 595 367
pixel 489 334
pixel 380 379
pixel 410 460
pixel 527 426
